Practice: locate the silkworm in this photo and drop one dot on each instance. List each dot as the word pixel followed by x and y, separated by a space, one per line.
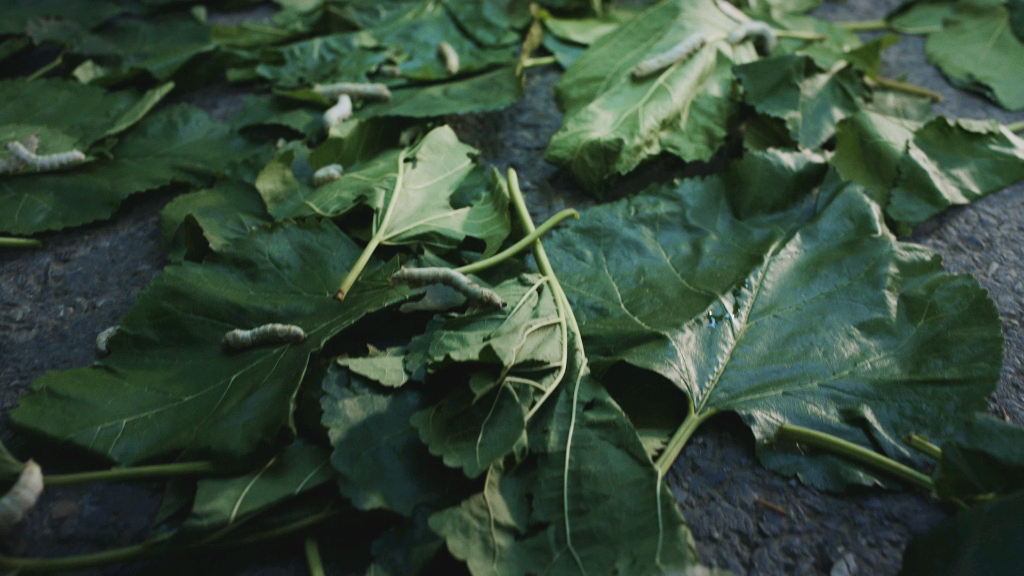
pixel 328 173
pixel 374 91
pixel 457 281
pixel 339 112
pixel 22 496
pixel 238 339
pixel 16 164
pixel 102 349
pixel 759 32
pixel 46 162
pixel 449 56
pixel 678 53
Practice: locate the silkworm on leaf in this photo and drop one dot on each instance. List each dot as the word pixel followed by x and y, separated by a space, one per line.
pixel 678 53
pixel 474 293
pixel 328 173
pixel 238 339
pixel 16 164
pixel 46 162
pixel 21 497
pixel 102 348
pixel 759 32
pixel 449 56
pixel 339 112
pixel 374 91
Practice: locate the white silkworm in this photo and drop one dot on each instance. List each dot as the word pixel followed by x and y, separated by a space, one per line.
pixel 22 496
pixel 375 91
pixel 328 173
pixel 102 349
pixel 46 162
pixel 449 56
pixel 678 53
pixel 457 281
pixel 238 340
pixel 16 164
pixel 339 112
pixel 759 32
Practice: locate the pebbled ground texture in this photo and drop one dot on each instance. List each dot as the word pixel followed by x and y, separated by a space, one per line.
pixel 53 302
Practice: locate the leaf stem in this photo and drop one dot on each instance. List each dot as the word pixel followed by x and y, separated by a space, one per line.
pixel 905 87
pixel 854 452
pixel 152 547
pixel 538 61
pixel 864 25
pixel 378 235
pixel 1016 126
pixel 20 243
pixel 523 244
pixel 136 473
pixel 800 35
pixel 316 565
pixel 680 438
pixel 922 445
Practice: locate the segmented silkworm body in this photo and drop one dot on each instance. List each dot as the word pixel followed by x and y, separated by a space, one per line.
pixel 678 53
pixel 47 161
pixel 102 349
pixel 328 173
pixel 473 292
pixel 759 32
pixel 449 56
pixel 375 91
pixel 238 339
pixel 22 496
pixel 11 165
pixel 339 112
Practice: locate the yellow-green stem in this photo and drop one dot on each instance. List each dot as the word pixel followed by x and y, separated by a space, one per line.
pixel 137 473
pixel 864 25
pixel 800 35
pixel 678 441
pixel 855 452
pixel 905 87
pixel 526 242
pixel 1016 126
pixel 538 61
pixel 922 445
pixel 378 236
pixel 20 243
pixel 42 71
pixel 316 565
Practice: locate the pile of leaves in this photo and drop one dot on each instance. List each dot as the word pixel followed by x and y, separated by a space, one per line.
pixel 513 439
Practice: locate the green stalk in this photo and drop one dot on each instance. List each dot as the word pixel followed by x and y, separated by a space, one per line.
pixel 378 236
pixel 526 242
pixel 680 438
pixel 922 445
pixel 136 473
pixel 20 243
pixel 800 35
pixel 316 565
pixel 905 87
pixel 151 548
pixel 1016 126
pixel 864 25
pixel 42 71
pixel 854 452
pixel 538 61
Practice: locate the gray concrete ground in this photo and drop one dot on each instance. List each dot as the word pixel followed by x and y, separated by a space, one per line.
pixel 53 301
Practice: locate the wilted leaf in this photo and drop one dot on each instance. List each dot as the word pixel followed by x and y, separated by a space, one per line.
pixel 613 123
pixel 179 143
pixel 809 99
pixel 492 90
pixel 221 503
pixel 211 218
pixel 983 540
pixel 829 323
pixel 977 50
pixel 379 456
pixel 168 387
pixel 984 458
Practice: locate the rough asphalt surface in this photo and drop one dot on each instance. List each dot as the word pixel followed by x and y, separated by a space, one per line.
pixel 744 518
